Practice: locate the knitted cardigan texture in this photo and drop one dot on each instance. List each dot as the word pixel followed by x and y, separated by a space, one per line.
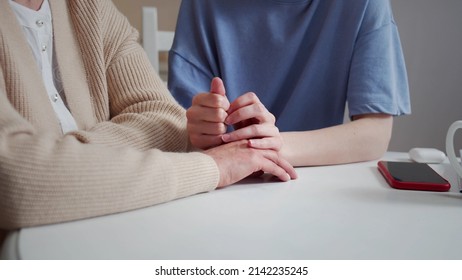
pixel 131 149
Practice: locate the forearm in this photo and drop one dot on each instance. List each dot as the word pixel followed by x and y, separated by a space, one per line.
pixel 95 181
pixel 364 139
pixel 149 125
pixel 45 179
pixel 143 113
pixel 132 105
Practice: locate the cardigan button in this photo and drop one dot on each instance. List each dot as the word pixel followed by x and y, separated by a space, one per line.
pixel 40 23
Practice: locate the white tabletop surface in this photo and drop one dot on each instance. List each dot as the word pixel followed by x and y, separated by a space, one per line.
pixel 331 212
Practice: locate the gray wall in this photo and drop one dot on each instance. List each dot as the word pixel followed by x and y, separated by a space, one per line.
pixel 431 35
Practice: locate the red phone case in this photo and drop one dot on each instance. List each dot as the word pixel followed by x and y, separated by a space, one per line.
pixel 407 185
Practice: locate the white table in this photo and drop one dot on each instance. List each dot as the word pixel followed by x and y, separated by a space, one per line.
pixel 332 212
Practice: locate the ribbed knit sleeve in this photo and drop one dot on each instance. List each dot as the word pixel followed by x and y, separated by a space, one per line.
pixel 44 179
pixel 124 162
pixel 138 109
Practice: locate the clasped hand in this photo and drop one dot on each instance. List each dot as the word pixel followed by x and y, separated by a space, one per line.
pixel 255 141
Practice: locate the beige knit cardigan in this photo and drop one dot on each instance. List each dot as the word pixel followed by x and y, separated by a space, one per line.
pixel 131 147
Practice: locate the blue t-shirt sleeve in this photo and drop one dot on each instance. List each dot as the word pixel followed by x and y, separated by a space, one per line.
pixel 378 79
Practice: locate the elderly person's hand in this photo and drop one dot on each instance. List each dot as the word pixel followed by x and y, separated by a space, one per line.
pixel 237 161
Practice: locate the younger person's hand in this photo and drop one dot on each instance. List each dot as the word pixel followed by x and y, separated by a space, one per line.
pixel 211 113
pixel 207 115
pixel 251 120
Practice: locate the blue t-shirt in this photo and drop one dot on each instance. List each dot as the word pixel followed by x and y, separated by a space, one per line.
pixel 305 59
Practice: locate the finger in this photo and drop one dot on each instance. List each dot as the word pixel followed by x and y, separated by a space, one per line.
pixel 244 100
pixel 281 163
pixel 255 111
pixel 207 128
pixel 272 143
pixel 205 141
pixel 269 166
pixel 197 114
pixel 217 86
pixel 252 131
pixel 288 168
pixel 210 100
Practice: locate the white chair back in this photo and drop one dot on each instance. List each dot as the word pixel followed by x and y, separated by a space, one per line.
pixel 155 41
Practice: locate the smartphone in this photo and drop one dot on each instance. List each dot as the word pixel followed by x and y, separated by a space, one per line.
pixel 412 176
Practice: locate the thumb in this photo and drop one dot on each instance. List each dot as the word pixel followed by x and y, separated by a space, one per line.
pixel 217 86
